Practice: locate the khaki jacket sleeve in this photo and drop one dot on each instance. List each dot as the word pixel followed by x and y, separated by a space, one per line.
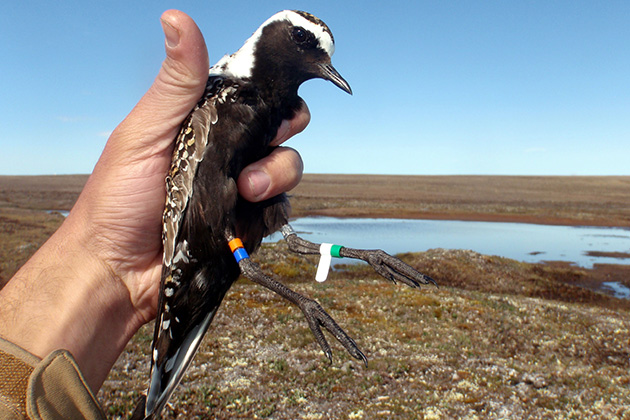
pixel 48 389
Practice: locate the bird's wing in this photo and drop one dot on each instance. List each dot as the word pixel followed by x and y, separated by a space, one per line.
pixel 169 359
pixel 189 150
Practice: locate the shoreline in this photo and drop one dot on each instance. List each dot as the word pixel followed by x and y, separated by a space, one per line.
pixel 545 200
pixel 341 213
pixel 597 201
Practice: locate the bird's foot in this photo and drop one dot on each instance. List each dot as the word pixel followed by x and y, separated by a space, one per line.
pixel 315 315
pixel 318 317
pixel 391 268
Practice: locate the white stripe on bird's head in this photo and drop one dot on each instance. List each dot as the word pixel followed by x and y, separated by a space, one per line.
pixel 240 63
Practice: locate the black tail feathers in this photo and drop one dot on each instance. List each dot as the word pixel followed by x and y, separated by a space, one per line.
pixel 138 413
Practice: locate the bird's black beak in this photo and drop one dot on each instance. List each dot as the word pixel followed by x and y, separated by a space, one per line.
pixel 328 72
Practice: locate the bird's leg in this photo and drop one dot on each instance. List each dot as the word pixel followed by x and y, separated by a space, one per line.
pixel 315 315
pixel 384 264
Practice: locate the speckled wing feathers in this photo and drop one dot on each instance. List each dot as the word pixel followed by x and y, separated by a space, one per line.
pixel 169 363
pixel 190 146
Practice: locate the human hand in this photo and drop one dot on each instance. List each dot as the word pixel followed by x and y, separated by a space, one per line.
pixel 96 281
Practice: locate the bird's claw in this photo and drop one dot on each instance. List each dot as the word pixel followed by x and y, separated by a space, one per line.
pixel 394 269
pixel 318 317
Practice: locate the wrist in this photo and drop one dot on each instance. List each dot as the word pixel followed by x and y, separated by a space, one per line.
pixel 67 297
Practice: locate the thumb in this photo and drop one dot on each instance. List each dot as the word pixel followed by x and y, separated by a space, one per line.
pixel 155 120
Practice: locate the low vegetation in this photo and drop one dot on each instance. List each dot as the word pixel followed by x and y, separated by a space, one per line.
pixel 497 339
pixel 22 232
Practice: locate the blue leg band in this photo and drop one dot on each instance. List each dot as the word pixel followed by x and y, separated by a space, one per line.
pixel 239 254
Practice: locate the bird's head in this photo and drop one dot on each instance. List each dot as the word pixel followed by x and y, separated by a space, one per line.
pixel 286 50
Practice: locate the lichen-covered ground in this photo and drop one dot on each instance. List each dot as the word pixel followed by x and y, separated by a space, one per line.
pixel 498 339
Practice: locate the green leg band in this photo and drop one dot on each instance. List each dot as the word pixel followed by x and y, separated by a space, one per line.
pixel 334 251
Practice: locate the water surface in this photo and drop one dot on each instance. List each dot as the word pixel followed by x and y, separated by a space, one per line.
pixel 519 241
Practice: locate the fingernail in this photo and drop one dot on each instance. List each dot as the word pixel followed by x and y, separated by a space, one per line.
pixel 259 182
pixel 170 33
pixel 283 132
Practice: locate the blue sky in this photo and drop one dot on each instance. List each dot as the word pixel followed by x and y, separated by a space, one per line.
pixel 440 87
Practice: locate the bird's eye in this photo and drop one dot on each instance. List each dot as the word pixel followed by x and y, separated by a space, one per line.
pixel 299 35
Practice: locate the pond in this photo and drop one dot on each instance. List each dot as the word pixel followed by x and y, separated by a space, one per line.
pixel 582 245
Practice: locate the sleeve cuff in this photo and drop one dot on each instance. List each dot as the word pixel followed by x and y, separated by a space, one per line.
pixel 48 389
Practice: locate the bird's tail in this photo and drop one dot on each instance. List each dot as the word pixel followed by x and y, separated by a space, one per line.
pixel 138 413
pixel 167 372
